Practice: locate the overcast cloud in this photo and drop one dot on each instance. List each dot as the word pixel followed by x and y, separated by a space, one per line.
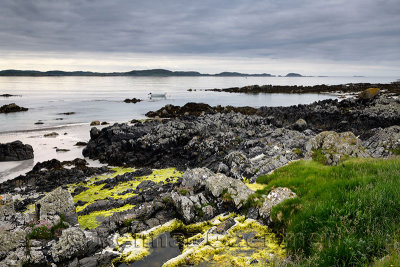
pixel 360 33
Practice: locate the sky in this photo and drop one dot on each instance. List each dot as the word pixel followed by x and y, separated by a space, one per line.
pixel 311 37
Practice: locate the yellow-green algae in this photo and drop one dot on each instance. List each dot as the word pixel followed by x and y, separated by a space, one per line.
pixel 93 220
pixel 230 249
pixel 255 186
pixel 96 192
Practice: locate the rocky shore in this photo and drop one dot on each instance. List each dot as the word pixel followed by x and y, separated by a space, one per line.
pixel 187 171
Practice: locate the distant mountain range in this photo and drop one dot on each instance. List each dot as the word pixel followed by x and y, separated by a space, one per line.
pixel 152 72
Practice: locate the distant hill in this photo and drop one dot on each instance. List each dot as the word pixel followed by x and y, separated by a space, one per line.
pixel 293 75
pixel 237 74
pixel 151 72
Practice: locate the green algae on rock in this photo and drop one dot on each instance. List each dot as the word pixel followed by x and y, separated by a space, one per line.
pixel 243 242
pixel 97 191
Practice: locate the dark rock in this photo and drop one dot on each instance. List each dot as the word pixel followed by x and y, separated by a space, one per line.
pixel 7 95
pixel 11 108
pixel 146 184
pixel 127 191
pixel 104 123
pixel 102 204
pixel 67 113
pixel 133 100
pixel 94 133
pixel 52 134
pixel 15 151
pixel 62 150
pixel 111 182
pixel 80 143
pixel 80 203
pixel 105 258
pixel 39 123
pixel 197 109
pixel 300 125
pixel 79 189
pixel 252 213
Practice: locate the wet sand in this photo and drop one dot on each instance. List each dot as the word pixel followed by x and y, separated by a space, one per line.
pixel 45 147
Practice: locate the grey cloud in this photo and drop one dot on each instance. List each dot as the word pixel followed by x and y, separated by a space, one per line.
pixel 353 30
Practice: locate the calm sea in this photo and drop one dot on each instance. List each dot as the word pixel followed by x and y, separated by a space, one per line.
pixel 101 98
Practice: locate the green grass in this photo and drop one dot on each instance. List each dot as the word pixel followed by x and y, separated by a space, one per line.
pixel 345 215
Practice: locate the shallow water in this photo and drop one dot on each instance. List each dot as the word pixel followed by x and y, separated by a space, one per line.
pixel 163 248
pixel 101 98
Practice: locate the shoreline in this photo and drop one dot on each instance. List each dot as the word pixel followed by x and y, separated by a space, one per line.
pixel 393 87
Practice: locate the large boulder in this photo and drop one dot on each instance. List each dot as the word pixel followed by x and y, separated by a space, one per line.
pixel 331 147
pixel 55 203
pixel 369 93
pixel 15 151
pixel 300 125
pixel 274 197
pixel 229 189
pixel 71 243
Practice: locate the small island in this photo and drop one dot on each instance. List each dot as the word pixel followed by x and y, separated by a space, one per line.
pixel 292 74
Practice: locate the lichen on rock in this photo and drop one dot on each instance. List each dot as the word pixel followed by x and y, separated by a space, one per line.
pixel 331 147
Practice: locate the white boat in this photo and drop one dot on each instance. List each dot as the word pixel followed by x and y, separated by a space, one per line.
pixel 151 95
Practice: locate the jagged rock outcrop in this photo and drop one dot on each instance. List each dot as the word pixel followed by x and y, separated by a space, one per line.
pixel 15 151
pixel 205 141
pixel 384 142
pixel 197 109
pixel 203 194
